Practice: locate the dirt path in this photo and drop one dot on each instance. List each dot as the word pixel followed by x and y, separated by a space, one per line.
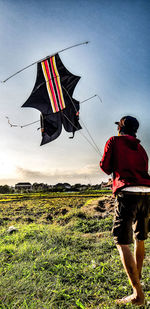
pixel 100 207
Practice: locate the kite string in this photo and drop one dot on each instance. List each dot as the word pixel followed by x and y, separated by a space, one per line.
pixel 98 150
pixel 82 134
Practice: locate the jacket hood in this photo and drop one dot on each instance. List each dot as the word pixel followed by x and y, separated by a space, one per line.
pixel 130 141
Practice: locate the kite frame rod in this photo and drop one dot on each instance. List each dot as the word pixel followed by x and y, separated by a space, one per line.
pixel 62 50
pixel 28 124
pixel 95 95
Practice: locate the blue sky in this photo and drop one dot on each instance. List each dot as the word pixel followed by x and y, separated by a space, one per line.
pixel 115 65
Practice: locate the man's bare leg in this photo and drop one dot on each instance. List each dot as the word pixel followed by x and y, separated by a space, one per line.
pixel 139 253
pixel 130 267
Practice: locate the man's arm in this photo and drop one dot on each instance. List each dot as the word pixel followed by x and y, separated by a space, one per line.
pixel 106 162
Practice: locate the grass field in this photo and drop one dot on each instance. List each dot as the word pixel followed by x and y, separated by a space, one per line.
pixel 60 256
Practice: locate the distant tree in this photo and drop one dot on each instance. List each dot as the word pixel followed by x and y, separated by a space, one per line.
pixel 5 189
pixel 40 187
pixel 76 187
pixel 35 186
pixel 58 187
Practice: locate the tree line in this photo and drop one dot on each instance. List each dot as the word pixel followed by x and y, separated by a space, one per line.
pixel 42 187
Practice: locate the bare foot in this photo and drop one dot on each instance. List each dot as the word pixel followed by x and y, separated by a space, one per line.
pixel 124 300
pixel 135 300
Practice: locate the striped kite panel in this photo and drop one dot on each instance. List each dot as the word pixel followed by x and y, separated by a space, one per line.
pixel 57 80
pixel 53 84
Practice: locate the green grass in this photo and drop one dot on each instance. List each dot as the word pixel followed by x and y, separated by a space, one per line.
pixel 67 262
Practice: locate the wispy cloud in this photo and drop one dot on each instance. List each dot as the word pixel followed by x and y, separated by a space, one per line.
pixel 89 173
pixel 27 173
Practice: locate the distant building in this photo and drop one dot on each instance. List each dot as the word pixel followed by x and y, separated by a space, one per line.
pixel 23 186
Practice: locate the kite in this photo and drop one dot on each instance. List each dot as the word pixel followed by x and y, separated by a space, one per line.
pixel 52 96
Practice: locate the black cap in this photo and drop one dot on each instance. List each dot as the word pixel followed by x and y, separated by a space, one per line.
pixel 128 124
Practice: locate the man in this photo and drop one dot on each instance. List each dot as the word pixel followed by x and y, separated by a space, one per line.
pixel 127 160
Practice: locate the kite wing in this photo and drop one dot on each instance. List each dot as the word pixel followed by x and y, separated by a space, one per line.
pixel 52 96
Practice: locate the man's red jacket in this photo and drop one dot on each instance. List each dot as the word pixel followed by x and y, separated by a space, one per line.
pixel 127 160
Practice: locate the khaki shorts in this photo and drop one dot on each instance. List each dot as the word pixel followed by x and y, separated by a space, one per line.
pixel 132 217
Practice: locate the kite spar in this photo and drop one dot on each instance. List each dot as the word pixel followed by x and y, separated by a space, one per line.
pixel 35 62
pixel 36 121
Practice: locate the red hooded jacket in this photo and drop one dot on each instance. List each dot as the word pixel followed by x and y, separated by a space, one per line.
pixel 127 160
